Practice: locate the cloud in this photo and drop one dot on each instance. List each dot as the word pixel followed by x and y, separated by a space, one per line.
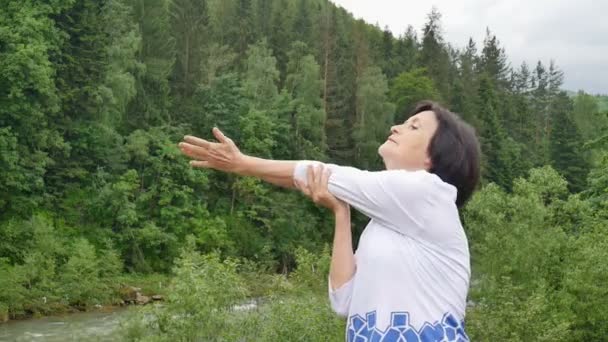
pixel 573 34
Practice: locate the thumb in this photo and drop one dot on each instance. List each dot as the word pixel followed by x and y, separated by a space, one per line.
pixel 219 135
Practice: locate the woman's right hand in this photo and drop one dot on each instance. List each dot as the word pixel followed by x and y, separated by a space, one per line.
pixel 223 156
pixel 317 189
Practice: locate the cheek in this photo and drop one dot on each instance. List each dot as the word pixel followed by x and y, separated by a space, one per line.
pixel 419 146
pixel 412 152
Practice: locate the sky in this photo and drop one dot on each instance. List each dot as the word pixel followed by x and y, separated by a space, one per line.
pixel 574 34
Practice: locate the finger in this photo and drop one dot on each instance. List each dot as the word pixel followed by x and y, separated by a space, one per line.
pixel 298 184
pixel 219 135
pixel 200 164
pixel 321 178
pixel 315 177
pixel 325 181
pixel 310 177
pixel 197 141
pixel 194 151
pixel 302 187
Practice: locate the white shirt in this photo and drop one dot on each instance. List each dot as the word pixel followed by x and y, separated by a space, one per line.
pixel 412 263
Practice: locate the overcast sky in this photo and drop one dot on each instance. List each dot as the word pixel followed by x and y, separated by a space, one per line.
pixel 572 33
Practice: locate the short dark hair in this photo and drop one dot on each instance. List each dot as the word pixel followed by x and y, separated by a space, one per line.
pixel 454 151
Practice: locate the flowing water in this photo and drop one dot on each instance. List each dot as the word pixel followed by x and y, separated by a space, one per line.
pixel 88 326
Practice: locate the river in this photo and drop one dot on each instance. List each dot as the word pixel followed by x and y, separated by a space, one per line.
pixel 87 326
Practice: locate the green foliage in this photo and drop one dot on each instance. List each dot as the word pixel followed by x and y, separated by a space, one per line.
pixel 28 101
pixel 510 315
pixel 303 83
pixel 312 269
pixel 202 294
pixel 536 271
pixel 52 273
pixel 374 116
pixel 434 54
pixel 308 317
pixel 189 19
pixel 583 279
pixel 94 96
pixel 602 103
pixel 156 56
pixel 119 86
pixel 209 295
pixel 586 114
pixel 261 77
pixel 598 184
pixel 82 275
pixel 409 88
pixel 565 147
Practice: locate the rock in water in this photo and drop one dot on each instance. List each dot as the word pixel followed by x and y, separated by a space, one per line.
pixel 129 294
pixel 142 300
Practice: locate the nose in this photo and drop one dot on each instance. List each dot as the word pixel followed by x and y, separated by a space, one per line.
pixel 394 129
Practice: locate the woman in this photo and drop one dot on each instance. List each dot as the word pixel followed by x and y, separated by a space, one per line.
pixel 409 278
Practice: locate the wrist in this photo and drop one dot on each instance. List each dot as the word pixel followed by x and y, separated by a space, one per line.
pixel 243 165
pixel 342 211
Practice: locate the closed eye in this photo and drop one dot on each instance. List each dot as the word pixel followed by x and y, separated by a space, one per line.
pixel 413 123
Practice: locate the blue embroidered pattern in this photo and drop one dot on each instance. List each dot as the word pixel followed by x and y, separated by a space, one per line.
pixel 364 329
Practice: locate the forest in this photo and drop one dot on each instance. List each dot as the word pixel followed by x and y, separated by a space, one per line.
pixel 95 194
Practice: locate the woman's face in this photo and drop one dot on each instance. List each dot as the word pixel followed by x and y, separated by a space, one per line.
pixel 407 146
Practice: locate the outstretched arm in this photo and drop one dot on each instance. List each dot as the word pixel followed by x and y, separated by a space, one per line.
pixel 391 197
pixel 225 156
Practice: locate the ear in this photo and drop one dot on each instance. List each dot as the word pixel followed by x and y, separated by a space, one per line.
pixel 428 163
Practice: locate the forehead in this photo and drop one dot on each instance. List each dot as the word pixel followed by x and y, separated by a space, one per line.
pixel 426 117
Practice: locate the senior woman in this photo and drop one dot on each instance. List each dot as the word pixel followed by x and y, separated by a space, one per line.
pixel 409 278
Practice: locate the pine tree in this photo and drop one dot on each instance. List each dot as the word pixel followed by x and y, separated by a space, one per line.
pixel 434 55
pixel 464 100
pixel 406 53
pixel 340 89
pixel 263 11
pixel 501 163
pixel 302 25
pixel 189 21
pixel 565 145
pixel 281 34
pixel 374 117
pixel 303 84
pixel 157 57
pixel 493 62
pixel 245 31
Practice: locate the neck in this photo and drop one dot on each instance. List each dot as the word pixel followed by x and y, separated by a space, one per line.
pixel 396 166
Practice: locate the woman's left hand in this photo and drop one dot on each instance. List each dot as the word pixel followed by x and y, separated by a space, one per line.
pixel 223 155
pixel 317 189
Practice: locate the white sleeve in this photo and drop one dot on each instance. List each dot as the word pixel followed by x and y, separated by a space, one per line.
pixel 340 297
pixel 395 198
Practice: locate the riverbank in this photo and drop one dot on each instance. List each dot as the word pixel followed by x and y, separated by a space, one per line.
pixel 126 289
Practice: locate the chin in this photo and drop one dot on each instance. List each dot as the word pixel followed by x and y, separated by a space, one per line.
pixel 384 154
pixel 383 149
